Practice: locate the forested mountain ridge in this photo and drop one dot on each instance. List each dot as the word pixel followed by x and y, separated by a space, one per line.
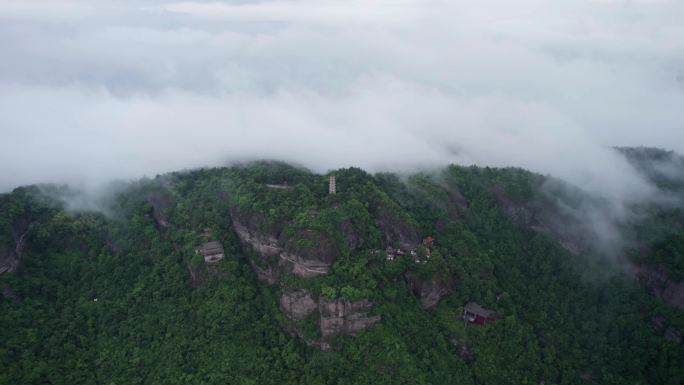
pixel 367 285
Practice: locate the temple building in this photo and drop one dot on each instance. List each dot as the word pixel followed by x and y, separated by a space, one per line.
pixel 332 187
pixel 211 251
pixel 476 314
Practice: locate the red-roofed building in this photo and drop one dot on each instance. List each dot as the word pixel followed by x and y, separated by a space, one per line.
pixel 476 314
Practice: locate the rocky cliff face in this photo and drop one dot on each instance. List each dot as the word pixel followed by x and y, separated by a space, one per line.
pixel 8 260
pixel 160 203
pixel 254 234
pixel 253 231
pixel 658 282
pixel 337 317
pixel 343 317
pixel 10 254
pixel 398 233
pixel 284 248
pixel 431 291
pixel 297 304
pixel 307 253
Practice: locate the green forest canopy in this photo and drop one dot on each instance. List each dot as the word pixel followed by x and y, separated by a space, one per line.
pixel 109 299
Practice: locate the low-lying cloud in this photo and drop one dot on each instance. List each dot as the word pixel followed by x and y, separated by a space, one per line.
pixel 92 90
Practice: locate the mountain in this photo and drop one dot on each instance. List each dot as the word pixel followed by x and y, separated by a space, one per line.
pixel 257 274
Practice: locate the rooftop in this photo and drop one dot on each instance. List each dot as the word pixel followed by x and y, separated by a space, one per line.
pixel 476 309
pixel 210 248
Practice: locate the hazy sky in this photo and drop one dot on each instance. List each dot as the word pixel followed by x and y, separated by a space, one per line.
pixel 93 90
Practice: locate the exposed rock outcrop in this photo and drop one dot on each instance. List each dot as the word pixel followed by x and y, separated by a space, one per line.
pixel 658 282
pixel 431 291
pixel 252 231
pixel 298 265
pixel 343 317
pixel 305 253
pixel 309 254
pixel 398 233
pixel 160 203
pixel 8 260
pixel 279 248
pixel 337 317
pixel 297 304
pixel 11 254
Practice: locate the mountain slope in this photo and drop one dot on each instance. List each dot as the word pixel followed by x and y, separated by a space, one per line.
pixel 306 292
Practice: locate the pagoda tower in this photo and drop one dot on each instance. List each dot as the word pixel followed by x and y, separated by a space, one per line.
pixel 332 188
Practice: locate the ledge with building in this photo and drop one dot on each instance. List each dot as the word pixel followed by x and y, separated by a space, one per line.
pixel 476 314
pixel 211 251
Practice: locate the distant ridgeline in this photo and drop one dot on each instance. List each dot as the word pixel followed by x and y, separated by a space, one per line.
pixel 266 273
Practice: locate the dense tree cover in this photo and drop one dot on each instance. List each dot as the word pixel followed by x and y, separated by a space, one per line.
pixel 109 297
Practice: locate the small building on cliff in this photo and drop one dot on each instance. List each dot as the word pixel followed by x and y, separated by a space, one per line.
pixel 211 251
pixel 476 314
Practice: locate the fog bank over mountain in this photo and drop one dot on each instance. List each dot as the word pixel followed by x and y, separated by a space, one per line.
pixel 94 90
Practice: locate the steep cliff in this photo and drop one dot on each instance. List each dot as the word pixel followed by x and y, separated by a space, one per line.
pixel 10 253
pixel 308 253
pixel 397 232
pixel 160 202
pixel 8 259
pixel 430 291
pixel 335 317
pixel 343 317
pixel 297 304
pixel 283 248
pixel 255 234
